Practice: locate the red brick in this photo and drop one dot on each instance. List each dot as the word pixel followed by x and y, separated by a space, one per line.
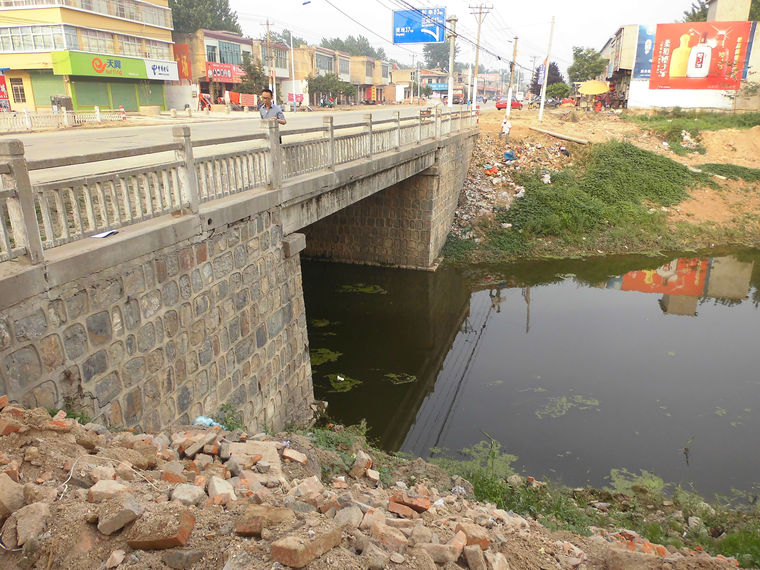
pixel 14 411
pixel 3 401
pixel 173 477
pixel 419 504
pixel 257 517
pixel 475 534
pixel 402 510
pixel 162 530
pixel 393 539
pixel 293 455
pixel 8 427
pixel 297 552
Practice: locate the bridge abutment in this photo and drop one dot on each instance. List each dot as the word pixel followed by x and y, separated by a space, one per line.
pixel 404 225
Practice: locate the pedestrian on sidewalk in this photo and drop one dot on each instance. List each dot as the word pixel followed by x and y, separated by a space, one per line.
pixel 268 109
pixel 506 126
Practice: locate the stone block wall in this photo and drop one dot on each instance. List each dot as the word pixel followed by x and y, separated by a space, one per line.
pixel 170 335
pixel 404 225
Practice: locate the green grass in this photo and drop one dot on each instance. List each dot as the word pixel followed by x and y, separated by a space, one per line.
pixel 229 417
pixel 670 125
pixel 80 416
pixel 733 171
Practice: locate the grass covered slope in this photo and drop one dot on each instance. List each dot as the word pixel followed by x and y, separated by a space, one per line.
pixel 613 199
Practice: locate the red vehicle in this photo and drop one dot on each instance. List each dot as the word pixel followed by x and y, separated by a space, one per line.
pixel 502 104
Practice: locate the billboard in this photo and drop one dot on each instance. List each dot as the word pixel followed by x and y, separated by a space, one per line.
pixel 161 70
pixel 224 72
pixel 5 102
pixel 182 57
pixel 423 26
pixel 699 55
pixel 642 66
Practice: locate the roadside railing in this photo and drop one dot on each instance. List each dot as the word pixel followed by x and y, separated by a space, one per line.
pixel 171 180
pixel 17 121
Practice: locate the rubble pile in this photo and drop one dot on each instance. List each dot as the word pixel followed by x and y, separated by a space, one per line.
pixel 490 186
pixel 74 496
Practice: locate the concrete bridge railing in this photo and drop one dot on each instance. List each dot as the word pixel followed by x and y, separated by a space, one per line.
pixel 40 216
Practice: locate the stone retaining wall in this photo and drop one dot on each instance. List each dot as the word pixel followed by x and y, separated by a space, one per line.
pixel 167 336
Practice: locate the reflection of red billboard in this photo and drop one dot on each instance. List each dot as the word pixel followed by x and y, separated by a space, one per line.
pixel 224 72
pixel 684 276
pixel 699 55
pixel 5 102
pixel 182 57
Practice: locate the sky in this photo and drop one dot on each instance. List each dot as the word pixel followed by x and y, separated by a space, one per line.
pixel 586 23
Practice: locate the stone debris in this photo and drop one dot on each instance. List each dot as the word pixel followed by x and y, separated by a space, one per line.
pixel 130 500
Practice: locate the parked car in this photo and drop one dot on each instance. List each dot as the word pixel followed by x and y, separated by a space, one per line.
pixel 502 104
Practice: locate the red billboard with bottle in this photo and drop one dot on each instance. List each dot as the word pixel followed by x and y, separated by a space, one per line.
pixel 5 101
pixel 700 55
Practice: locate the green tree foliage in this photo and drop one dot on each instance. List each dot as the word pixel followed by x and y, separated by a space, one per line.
pixel 697 12
pixel 192 15
pixel 587 64
pixel 427 90
pixel 437 55
pixel 554 76
pixel 558 90
pixel 255 79
pixel 358 45
pixel 754 11
pixel 329 85
pixel 284 38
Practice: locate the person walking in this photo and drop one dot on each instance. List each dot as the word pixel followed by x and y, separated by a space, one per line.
pixel 506 126
pixel 268 109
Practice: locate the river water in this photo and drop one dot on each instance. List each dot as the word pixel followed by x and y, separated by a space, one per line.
pixel 576 367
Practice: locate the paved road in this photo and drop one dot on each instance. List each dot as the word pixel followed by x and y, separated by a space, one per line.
pixel 73 142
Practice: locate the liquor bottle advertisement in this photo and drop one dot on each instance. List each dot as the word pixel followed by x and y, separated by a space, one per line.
pixel 700 55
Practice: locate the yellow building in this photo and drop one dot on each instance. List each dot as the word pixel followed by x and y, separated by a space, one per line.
pixel 371 77
pixel 105 53
pixel 311 61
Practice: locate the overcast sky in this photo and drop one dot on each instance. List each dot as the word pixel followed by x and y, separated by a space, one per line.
pixel 584 23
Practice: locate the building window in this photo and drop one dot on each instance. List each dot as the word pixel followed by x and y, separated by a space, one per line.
pixel 95 41
pixel 17 87
pixel 279 57
pixel 211 54
pixel 344 66
pixel 324 63
pixel 229 53
pixel 32 39
pixel 385 71
pixel 128 9
pixel 157 50
pixel 131 46
pixel 369 68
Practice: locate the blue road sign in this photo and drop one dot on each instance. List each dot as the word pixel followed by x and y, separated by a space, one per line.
pixel 423 26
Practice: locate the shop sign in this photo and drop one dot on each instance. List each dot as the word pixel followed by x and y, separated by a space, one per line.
pixel 699 55
pixel 642 67
pixel 182 57
pixel 299 97
pixel 96 65
pixel 5 101
pixel 224 72
pixel 439 86
pixel 161 70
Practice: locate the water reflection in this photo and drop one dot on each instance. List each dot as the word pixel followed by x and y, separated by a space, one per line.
pixel 577 367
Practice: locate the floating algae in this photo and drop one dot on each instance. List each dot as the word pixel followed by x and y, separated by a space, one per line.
pixel 720 411
pixel 402 378
pixel 319 323
pixel 321 355
pixel 559 406
pixel 342 383
pixel 363 288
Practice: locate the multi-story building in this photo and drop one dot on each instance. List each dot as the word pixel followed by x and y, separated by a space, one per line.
pixel 311 61
pixel 105 53
pixel 276 65
pixel 370 77
pixel 213 63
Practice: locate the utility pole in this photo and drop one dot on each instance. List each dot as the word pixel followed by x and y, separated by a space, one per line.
pixel 482 12
pixel 511 79
pixel 546 74
pixel 273 82
pixel 452 21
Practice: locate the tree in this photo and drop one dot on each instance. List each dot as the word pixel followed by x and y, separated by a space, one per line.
pixel 587 64
pixel 191 15
pixel 255 79
pixel 558 90
pixel 437 55
pixel 754 11
pixel 427 90
pixel 284 38
pixel 697 12
pixel 329 85
pixel 354 45
pixel 554 76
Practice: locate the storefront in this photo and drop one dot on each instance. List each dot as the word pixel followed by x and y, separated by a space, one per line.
pixel 220 78
pixel 110 82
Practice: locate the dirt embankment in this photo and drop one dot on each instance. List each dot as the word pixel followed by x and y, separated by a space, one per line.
pixel 723 206
pixel 84 497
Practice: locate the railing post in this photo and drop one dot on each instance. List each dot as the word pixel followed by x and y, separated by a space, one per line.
pixel 27 120
pixel 97 114
pixel 188 175
pixel 65 117
pixel 21 210
pixel 437 123
pixel 397 116
pixel 328 125
pixel 368 118
pixel 274 161
pixel 419 127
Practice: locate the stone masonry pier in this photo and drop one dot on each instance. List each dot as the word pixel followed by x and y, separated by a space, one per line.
pixel 197 301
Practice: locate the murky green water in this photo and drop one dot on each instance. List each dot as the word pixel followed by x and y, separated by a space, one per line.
pixel 576 367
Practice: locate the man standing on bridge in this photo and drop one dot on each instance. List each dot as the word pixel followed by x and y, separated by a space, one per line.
pixel 268 109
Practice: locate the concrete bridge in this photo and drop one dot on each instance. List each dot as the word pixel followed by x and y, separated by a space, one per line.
pixel 196 300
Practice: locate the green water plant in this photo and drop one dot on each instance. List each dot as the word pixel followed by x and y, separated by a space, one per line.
pixel 319 356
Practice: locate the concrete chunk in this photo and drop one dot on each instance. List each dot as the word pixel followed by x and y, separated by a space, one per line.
pixel 117 512
pixel 11 496
pixel 297 552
